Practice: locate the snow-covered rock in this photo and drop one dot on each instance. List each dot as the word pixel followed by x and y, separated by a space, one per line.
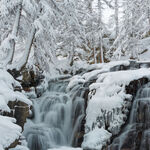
pixel 9 131
pixel 96 138
pixel 107 99
pixel 7 93
pixel 20 147
pixel 93 71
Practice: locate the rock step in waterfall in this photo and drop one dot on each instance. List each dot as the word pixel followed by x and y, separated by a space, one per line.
pixel 136 135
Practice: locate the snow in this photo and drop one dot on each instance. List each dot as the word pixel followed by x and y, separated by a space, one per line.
pixel 9 131
pixel 96 138
pixel 7 93
pixel 93 71
pixel 23 61
pixel 102 68
pixel 6 6
pixel 108 65
pixel 143 53
pixel 74 81
pixel 107 98
pixel 110 91
pixel 108 102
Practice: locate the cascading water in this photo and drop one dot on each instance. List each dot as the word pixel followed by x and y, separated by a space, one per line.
pixel 57 118
pixel 136 135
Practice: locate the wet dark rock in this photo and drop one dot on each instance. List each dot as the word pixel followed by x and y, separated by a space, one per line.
pixel 31 79
pixel 135 85
pixel 15 73
pixel 19 111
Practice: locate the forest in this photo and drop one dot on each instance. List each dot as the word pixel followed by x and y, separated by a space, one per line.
pixel 74 74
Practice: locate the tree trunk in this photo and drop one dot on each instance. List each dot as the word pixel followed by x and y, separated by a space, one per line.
pixel 101 49
pixel 72 55
pixel 101 53
pixel 28 49
pixel 116 17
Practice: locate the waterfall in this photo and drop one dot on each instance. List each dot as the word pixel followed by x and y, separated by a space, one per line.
pixel 136 135
pixel 57 117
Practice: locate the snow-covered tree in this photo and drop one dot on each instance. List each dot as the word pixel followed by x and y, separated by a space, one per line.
pixel 127 43
pixel 9 30
pixel 117 17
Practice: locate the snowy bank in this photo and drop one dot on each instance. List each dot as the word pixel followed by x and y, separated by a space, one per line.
pixel 96 138
pixel 10 132
pixel 93 71
pixel 7 93
pixel 20 147
pixel 106 106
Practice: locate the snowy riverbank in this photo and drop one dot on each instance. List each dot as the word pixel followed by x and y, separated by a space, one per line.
pixel 10 132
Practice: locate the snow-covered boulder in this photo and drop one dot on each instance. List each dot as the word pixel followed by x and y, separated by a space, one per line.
pixel 107 104
pixel 96 138
pixel 10 132
pixel 7 93
pixel 93 71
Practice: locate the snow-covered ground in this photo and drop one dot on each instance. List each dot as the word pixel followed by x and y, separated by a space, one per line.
pixel 110 91
pixel 107 101
pixel 7 93
pixel 9 131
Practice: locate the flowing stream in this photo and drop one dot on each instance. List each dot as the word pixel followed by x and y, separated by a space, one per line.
pixel 136 135
pixel 57 117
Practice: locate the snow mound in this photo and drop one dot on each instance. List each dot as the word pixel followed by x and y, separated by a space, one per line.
pixel 7 93
pixel 96 69
pixel 74 81
pixel 93 71
pixel 96 138
pixel 9 131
